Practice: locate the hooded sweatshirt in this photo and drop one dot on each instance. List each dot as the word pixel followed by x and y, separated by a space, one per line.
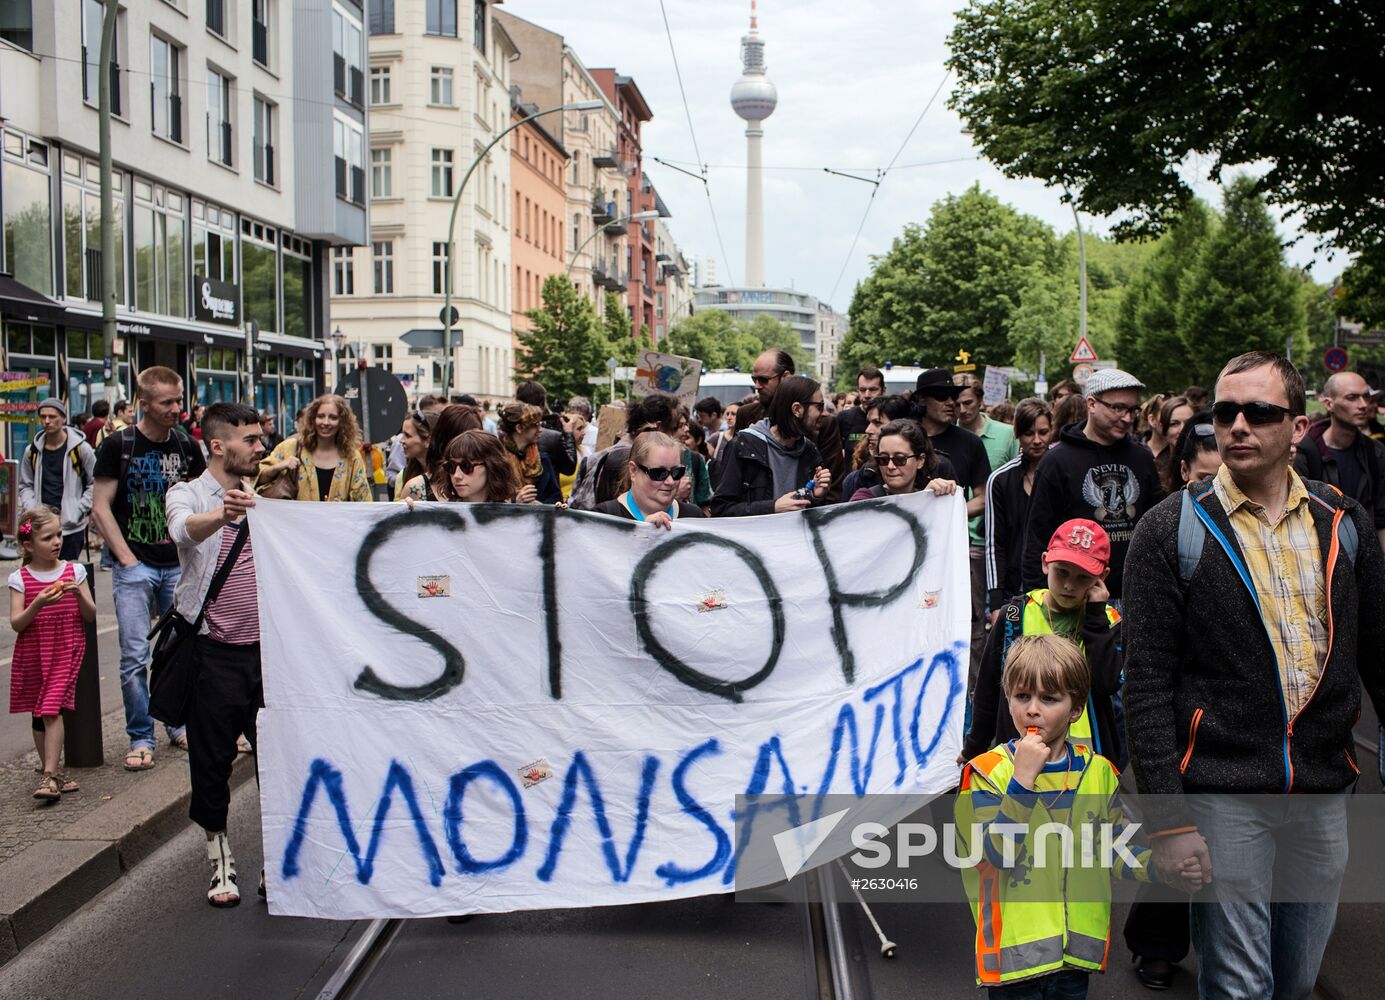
pixel 783 462
pixel 1112 485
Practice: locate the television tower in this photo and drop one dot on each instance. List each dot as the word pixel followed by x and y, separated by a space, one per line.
pixel 753 98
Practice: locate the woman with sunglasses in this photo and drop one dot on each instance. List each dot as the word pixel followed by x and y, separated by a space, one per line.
pixel 475 468
pixel 452 422
pixel 652 477
pixel 879 412
pixel 908 463
pixel 772 467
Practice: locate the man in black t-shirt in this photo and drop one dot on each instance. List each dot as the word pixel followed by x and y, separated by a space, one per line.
pixel 851 421
pixel 134 470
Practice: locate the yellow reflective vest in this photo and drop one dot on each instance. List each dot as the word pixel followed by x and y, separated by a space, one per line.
pixel 1038 912
pixel 1035 622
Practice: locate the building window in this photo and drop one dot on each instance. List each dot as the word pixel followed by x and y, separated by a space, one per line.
pixel 440 86
pixel 82 228
pixel 213 242
pixel 381 174
pixel 382 17
pixel 382 354
pixel 379 85
pixel 260 270
pixel 440 272
pixel 442 17
pixel 382 260
pixel 216 16
pixel 93 11
pixel 349 147
pixel 165 92
pixel 160 232
pixel 262 141
pixel 346 57
pixel 28 231
pixel 259 31
pixel 343 271
pixel 220 140
pixel 298 288
pixel 442 173
pixel 478 26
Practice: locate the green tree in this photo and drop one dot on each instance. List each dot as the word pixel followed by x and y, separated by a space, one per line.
pixel 1148 342
pixel 1238 296
pixel 1045 320
pixel 1110 98
pixel 565 345
pixel 768 332
pixel 951 285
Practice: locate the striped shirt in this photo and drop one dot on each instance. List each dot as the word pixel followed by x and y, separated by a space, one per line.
pixel 234 617
pixel 1286 567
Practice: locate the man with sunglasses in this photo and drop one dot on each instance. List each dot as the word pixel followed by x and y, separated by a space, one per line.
pixel 771 368
pixel 1339 450
pixel 1243 675
pixel 1098 471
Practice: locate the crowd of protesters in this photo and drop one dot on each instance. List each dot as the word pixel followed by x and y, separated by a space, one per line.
pixel 1189 546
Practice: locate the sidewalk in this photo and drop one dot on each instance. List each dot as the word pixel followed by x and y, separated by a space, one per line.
pixel 56 857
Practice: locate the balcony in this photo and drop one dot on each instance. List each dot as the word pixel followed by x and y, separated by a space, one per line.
pixel 166 112
pixel 222 132
pixel 603 212
pixel 259 42
pixel 605 158
pixel 264 163
pixel 648 292
pixel 599 271
pixel 616 282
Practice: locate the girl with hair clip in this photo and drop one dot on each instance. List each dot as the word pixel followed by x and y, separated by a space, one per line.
pixel 651 483
pixel 49 601
pixel 908 463
pixel 325 454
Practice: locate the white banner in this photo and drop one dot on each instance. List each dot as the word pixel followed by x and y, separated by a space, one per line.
pixel 474 708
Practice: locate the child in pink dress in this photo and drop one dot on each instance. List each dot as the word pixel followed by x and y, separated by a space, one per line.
pixel 49 600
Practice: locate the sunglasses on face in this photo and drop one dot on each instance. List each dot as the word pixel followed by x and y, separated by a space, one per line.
pixel 465 468
pixel 660 474
pixel 898 461
pixel 1257 414
pixel 764 379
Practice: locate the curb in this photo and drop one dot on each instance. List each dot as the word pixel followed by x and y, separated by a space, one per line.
pixel 44 884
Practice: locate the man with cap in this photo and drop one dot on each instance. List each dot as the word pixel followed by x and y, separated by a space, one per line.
pixel 935 396
pixel 56 471
pixel 1097 470
pixel 771 368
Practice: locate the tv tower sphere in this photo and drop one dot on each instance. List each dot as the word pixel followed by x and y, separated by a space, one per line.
pixel 753 97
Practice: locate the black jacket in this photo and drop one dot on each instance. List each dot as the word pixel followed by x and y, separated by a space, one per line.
pixel 561 449
pixel 1112 485
pixel 1007 513
pixel 746 485
pixel 1204 709
pixel 826 438
pixel 991 723
pixel 1313 460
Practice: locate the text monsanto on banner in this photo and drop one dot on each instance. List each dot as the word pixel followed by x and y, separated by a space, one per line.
pixel 569 720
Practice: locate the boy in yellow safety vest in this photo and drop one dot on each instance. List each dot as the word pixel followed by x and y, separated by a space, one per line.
pixel 1073 605
pixel 1036 821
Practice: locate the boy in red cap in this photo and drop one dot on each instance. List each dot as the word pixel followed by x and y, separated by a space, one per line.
pixel 1074 606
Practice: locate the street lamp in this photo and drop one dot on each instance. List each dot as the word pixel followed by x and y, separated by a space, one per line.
pixel 650 214
pixel 452 227
pixel 338 338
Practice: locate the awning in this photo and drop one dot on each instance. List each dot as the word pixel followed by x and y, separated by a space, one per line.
pixel 132 325
pixel 20 302
pixel 297 347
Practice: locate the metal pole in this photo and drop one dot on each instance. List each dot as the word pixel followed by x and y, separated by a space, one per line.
pixel 451 232
pixel 1081 273
pixel 103 92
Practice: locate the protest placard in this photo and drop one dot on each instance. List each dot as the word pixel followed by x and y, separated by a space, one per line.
pixel 668 373
pixel 495 707
pixel 995 388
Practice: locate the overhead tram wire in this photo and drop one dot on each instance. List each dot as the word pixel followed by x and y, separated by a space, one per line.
pixel 687 111
pixel 876 189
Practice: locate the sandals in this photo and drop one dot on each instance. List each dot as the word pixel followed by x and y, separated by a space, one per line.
pixel 139 759
pixel 223 874
pixel 68 784
pixel 180 741
pixel 49 789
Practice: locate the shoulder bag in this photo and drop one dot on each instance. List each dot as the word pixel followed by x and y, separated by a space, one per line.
pixel 284 486
pixel 172 672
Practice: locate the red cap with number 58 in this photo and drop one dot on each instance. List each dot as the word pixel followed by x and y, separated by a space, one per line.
pixel 1083 543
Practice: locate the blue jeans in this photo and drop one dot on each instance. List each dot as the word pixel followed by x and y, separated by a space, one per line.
pixel 1065 984
pixel 137 590
pixel 1280 861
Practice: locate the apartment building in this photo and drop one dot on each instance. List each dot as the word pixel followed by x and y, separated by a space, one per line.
pixel 551 75
pixel 673 295
pixel 538 162
pixel 226 119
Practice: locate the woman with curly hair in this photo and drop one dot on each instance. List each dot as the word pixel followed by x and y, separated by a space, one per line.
pixel 519 433
pixel 476 468
pixel 325 455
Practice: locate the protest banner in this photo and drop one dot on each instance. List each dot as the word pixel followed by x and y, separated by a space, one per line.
pixel 610 425
pixel 668 373
pixel 480 708
pixel 995 388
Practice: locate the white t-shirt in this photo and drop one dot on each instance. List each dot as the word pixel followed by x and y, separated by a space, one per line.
pixel 79 573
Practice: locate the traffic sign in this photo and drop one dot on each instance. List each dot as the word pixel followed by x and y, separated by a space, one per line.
pixel 1082 372
pixel 1083 352
pixel 1334 359
pixel 442 316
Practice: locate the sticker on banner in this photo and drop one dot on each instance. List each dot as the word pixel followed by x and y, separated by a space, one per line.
pixel 435 586
pixel 714 601
pixel 534 772
pixel 931 598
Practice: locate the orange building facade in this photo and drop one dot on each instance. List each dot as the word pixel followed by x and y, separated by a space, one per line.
pixel 537 234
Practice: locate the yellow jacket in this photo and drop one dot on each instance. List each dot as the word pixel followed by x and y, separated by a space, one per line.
pixel 349 482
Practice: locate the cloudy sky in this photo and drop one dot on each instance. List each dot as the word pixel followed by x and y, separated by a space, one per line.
pixel 852 79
